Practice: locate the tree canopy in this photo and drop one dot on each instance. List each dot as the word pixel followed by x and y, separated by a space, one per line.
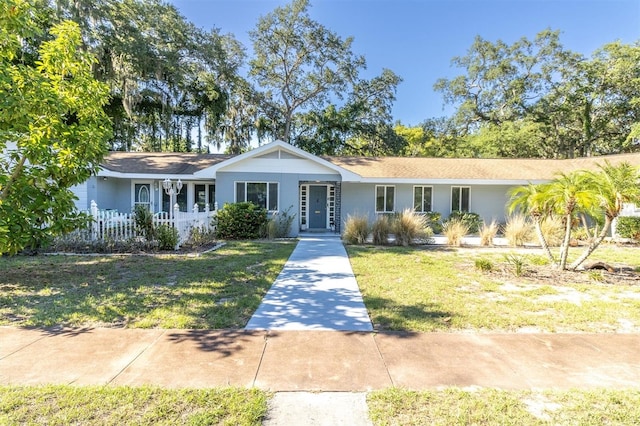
pixel 53 129
pixel 534 98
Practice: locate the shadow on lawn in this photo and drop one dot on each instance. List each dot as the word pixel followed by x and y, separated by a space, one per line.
pixel 208 292
pixel 387 315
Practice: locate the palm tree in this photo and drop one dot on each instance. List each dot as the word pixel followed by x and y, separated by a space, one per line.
pixel 613 187
pixel 567 195
pixel 528 200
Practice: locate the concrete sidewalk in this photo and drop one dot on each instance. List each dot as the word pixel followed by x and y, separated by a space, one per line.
pixel 316 290
pixel 317 360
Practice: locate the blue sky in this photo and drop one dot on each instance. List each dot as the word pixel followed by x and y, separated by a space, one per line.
pixel 417 38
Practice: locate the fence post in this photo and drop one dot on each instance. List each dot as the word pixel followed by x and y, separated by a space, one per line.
pixel 195 208
pixel 94 222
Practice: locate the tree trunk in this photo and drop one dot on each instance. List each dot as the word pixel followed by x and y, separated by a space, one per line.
pixel 543 241
pixel 594 244
pixel 564 249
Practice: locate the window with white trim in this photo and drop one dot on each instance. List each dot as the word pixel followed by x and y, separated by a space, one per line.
pixel 262 194
pixel 460 198
pixel 142 194
pixel 422 197
pixel 385 198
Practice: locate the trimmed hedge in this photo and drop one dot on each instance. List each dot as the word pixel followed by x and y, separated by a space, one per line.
pixel 241 221
pixel 628 227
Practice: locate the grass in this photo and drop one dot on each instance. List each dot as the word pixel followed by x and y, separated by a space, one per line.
pixel 495 407
pixel 220 289
pixel 64 405
pixel 427 289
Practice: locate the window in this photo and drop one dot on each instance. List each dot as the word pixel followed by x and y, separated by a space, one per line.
pixel 180 199
pixel 422 196
pixel 212 197
pixel 142 194
pixel 385 199
pixel 262 194
pixel 460 198
pixel 204 194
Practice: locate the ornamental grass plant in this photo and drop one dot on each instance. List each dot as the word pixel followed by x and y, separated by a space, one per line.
pixel 356 230
pixel 518 230
pixel 408 226
pixel 455 230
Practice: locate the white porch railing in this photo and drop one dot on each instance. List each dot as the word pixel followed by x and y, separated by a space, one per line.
pixel 111 225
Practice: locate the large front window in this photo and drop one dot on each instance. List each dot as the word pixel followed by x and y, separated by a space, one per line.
pixel 385 199
pixel 422 196
pixel 262 194
pixel 460 198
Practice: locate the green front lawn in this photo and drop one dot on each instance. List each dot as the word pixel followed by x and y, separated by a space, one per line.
pixel 496 407
pixel 220 289
pixel 92 405
pixel 440 289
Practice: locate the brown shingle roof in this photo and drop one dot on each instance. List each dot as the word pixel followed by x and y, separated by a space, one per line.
pixel 471 168
pixel 170 163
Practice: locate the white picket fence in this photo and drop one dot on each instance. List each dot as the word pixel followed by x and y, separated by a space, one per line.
pixel 114 226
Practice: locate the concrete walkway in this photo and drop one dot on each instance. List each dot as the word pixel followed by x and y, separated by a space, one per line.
pixel 316 290
pixel 317 360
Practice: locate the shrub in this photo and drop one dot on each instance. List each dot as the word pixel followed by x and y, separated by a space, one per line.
pixel 484 265
pixel 434 221
pixel 167 237
pixel 472 220
pixel 241 221
pixel 487 233
pixel 279 225
pixel 455 230
pixel 552 230
pixel 628 227
pixel 381 229
pixel 143 219
pixel 518 230
pixel 356 230
pixel 407 226
pixel 201 236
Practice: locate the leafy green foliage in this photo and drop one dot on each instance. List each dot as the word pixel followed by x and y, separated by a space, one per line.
pixel 167 237
pixel 143 218
pixel 579 193
pixel 628 227
pixel 517 262
pixel 484 265
pixel 279 224
pixel 470 219
pixel 53 129
pixel 534 98
pixel 241 221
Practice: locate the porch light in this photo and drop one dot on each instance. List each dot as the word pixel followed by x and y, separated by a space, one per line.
pixel 171 189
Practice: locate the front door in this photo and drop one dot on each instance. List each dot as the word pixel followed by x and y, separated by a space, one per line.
pixel 318 207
